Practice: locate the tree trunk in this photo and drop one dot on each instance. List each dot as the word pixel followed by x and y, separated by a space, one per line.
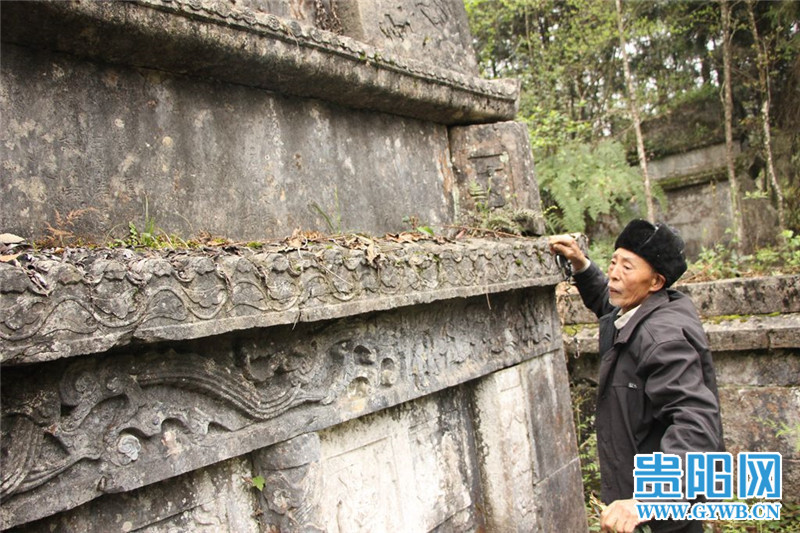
pixel 763 84
pixel 634 108
pixel 736 214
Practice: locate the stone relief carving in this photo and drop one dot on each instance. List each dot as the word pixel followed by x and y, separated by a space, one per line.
pixel 493 178
pixel 398 23
pixel 437 12
pixel 395 25
pixel 103 408
pixel 115 422
pixel 292 484
pixel 88 301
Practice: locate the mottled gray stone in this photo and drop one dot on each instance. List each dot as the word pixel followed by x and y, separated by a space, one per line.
pixel 551 426
pixel 292 476
pixel 221 118
pixel 493 165
pixel 409 468
pixel 556 497
pixel 122 145
pixel 148 390
pixel 435 30
pixel 500 418
pixel 765 419
pixel 745 296
pixel 696 186
pixel 773 368
pixel 89 301
pixel 257 49
pixel 216 499
pixel 79 428
pixel 528 460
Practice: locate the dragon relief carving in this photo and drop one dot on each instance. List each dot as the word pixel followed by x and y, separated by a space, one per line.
pixel 119 410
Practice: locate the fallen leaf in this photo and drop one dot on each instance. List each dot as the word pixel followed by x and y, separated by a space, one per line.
pixel 372 253
pixel 10 238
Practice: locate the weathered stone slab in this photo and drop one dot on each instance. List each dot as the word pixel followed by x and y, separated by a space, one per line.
pixel 550 410
pixel 218 498
pixel 724 298
pixel 556 497
pixel 765 419
pixel 747 333
pixel 776 368
pixel 75 429
pixel 257 49
pixel 436 30
pixel 89 301
pixel 507 458
pixel 291 496
pixel 493 166
pixel 185 156
pixel 700 161
pixel 745 296
pixel 524 429
pixel 411 469
pixel 698 194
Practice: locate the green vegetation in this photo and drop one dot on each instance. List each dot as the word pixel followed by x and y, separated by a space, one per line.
pixel 257 482
pixel 574 98
pixel 583 182
pixel 582 411
pixel 722 262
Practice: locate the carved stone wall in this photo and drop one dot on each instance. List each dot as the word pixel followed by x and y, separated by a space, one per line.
pixel 303 383
pixel 89 301
pixel 215 116
pixel 78 428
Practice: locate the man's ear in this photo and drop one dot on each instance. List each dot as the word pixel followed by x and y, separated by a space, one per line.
pixel 657 282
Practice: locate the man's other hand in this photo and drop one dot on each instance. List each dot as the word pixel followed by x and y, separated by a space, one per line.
pixel 620 517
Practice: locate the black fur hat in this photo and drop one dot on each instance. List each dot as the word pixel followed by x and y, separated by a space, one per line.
pixel 658 244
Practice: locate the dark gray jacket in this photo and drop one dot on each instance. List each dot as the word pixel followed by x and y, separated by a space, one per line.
pixel 657 389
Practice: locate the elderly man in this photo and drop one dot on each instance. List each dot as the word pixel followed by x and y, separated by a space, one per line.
pixel 657 388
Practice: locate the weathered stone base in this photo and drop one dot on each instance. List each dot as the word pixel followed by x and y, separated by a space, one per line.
pixel 479 456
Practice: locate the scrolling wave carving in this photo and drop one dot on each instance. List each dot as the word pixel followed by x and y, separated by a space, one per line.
pixel 87 301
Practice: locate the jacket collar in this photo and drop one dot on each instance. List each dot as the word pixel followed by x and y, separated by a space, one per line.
pixel 653 302
pixel 608 361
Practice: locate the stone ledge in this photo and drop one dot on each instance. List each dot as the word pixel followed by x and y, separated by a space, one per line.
pixel 758 332
pixel 723 298
pixel 259 50
pixel 88 301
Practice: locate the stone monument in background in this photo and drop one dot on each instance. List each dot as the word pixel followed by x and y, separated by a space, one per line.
pixel 350 383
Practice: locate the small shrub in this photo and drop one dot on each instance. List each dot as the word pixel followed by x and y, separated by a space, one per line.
pixel 721 262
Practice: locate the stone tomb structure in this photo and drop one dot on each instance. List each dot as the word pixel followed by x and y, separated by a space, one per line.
pixel 697 190
pixel 348 383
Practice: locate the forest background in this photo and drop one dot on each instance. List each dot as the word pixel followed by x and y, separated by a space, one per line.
pixel 608 85
pixel 600 78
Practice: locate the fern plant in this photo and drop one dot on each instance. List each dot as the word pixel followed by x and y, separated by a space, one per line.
pixel 582 182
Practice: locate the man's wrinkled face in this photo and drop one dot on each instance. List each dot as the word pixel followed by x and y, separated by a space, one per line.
pixel 631 280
